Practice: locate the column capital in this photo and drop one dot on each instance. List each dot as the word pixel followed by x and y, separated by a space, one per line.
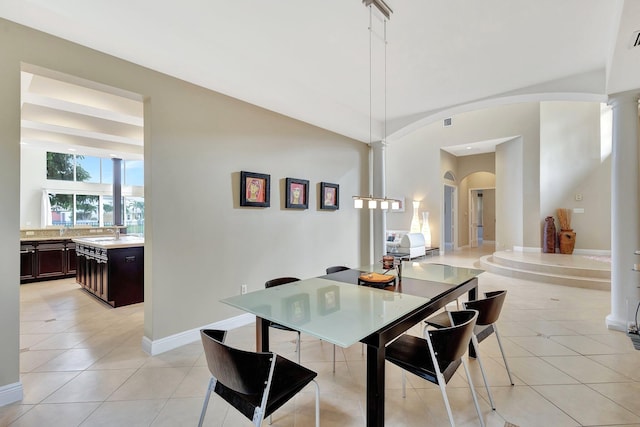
pixel 628 97
pixel 377 145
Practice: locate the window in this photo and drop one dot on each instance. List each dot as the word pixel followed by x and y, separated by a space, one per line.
pixel 91 210
pixel 88 204
pixel 60 166
pixel 134 172
pixel 107 171
pixel 134 215
pixel 90 165
pixel 61 209
pixel 87 210
pixel 107 210
pixel 98 170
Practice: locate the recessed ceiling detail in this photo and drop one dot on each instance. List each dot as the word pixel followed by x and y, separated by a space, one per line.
pixel 59 116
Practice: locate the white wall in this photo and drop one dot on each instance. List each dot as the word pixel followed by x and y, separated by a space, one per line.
pixel 533 175
pixel 9 223
pixel 414 170
pixel 571 164
pixel 510 196
pixel 200 245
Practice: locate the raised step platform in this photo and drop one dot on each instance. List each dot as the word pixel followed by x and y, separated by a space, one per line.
pixel 582 271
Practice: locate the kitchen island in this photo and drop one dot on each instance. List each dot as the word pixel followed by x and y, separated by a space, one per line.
pixel 111 268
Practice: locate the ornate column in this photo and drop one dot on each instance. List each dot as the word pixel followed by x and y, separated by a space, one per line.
pixel 625 210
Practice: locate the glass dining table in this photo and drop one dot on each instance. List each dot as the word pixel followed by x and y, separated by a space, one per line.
pixel 335 309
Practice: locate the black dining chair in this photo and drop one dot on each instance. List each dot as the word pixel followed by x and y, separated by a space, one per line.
pixel 277 282
pixel 489 309
pixel 336 268
pixel 437 356
pixel 256 384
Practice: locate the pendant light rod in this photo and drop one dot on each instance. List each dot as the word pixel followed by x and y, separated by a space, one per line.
pixel 386 11
pixel 381 6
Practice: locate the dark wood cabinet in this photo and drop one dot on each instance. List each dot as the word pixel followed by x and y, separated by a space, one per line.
pixel 116 275
pixel 27 261
pixel 47 260
pixel 71 259
pixel 50 260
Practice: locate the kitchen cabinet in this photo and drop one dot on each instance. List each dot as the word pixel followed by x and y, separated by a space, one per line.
pixel 27 261
pixel 111 270
pixel 47 260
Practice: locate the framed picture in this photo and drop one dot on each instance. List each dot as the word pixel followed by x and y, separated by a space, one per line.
pixel 297 193
pixel 329 196
pixel 255 189
pixel 297 308
pixel 328 299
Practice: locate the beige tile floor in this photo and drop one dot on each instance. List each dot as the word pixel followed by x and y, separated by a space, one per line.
pixel 82 365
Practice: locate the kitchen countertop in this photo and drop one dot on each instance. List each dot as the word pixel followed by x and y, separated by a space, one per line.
pixel 109 242
pixel 39 239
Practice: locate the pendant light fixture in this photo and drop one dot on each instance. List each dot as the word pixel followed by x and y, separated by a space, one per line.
pixel 385 10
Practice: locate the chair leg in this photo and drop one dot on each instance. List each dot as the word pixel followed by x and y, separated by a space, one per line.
pixel 317 403
pixel 404 384
pixel 506 365
pixel 474 340
pixel 212 384
pixel 473 392
pixel 334 358
pixel 298 348
pixel 443 390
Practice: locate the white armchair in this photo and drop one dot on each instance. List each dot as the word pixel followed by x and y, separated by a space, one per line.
pixel 413 244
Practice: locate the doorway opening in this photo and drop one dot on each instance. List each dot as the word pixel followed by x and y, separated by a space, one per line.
pixel 481 216
pixel 72 131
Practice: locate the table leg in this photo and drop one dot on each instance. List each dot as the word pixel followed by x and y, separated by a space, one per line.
pixel 473 295
pixel 262 334
pixel 375 386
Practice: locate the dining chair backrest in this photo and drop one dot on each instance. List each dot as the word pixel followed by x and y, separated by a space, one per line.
pixel 255 383
pixel 450 344
pixel 336 268
pixel 489 308
pixel 241 371
pixel 279 281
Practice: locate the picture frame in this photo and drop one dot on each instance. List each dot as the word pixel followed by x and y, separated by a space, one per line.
pixel 329 196
pixel 297 308
pixel 255 189
pixel 297 193
pixel 328 299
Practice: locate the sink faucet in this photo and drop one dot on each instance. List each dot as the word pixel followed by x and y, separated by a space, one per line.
pixel 116 232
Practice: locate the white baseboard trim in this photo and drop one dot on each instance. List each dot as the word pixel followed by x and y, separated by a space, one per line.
pixel 11 393
pixel 615 324
pixel 155 347
pixel 593 252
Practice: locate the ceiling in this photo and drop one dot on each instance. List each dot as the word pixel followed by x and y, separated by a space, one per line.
pixel 315 61
pixel 63 114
